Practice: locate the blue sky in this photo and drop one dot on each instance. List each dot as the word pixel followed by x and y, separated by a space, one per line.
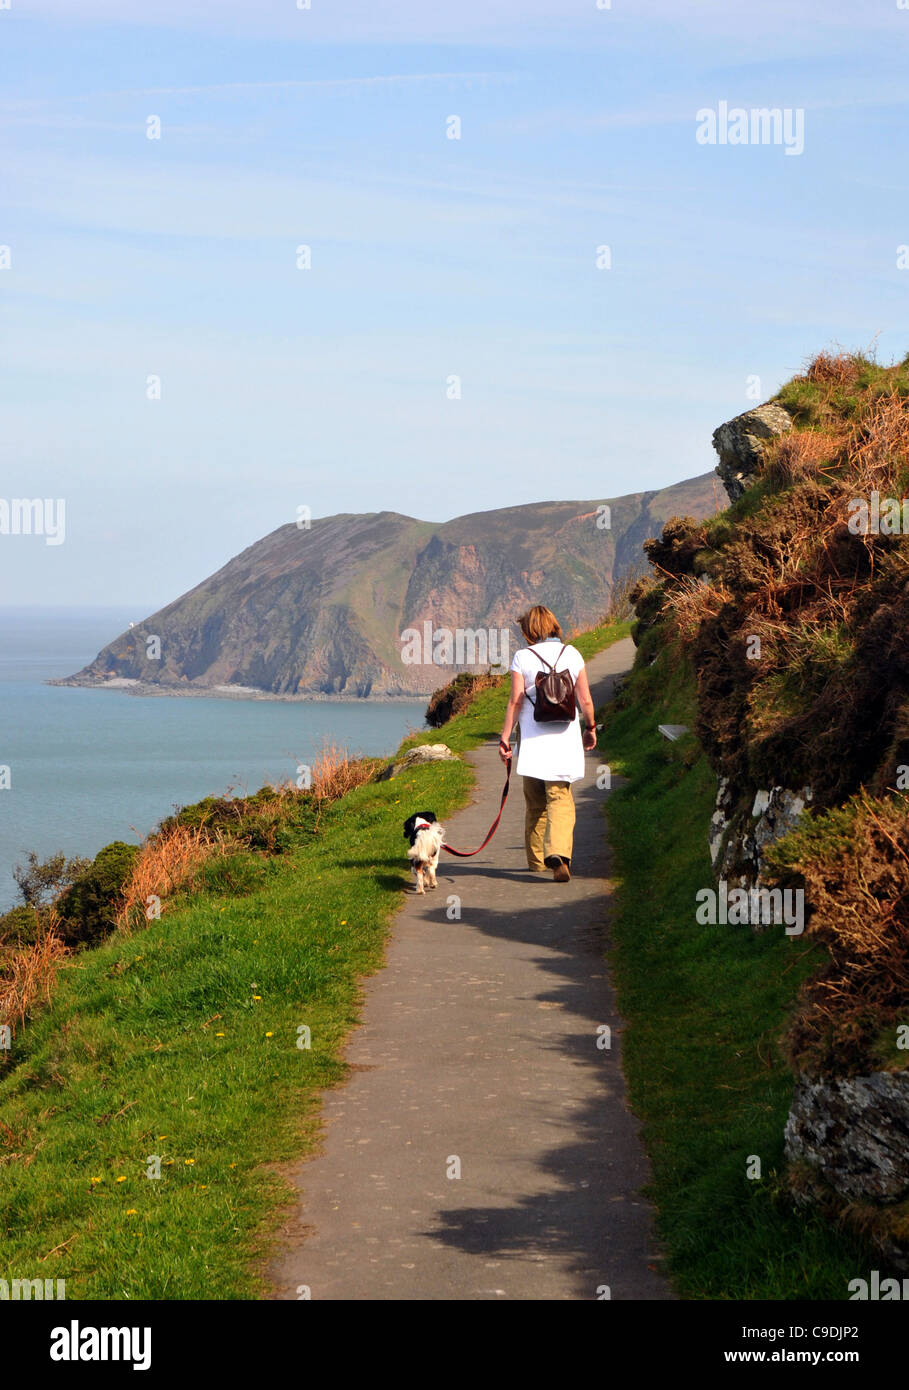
pixel 430 257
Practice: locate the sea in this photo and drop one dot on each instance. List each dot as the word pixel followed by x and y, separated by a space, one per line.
pixel 90 766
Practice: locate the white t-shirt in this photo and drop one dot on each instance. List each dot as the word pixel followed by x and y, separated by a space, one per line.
pixel 553 752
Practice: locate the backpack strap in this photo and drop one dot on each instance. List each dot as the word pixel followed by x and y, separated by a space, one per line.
pixel 542 658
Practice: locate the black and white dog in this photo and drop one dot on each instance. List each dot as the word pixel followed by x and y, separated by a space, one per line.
pixel 425 835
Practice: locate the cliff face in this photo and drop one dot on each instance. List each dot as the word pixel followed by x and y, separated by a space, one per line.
pixel 322 611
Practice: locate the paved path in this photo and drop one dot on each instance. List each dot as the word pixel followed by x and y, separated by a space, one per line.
pixel 479 1043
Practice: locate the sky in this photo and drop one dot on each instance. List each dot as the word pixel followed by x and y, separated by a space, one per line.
pixel 454 345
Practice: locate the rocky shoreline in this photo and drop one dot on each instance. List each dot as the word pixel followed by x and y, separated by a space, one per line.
pixel 147 690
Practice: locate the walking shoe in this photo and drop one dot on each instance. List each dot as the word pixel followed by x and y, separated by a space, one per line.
pixel 560 870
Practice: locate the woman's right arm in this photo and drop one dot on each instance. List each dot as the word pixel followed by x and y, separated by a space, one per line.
pixel 511 713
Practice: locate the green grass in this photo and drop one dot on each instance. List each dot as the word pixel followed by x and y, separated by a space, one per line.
pixel 588 643
pixel 812 403
pixel 705 1007
pixel 157 1044
pixel 127 1061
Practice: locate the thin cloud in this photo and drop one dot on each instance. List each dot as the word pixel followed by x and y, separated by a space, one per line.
pixel 525 24
pixel 568 121
pixel 382 79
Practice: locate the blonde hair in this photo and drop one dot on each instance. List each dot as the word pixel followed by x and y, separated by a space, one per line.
pixel 539 623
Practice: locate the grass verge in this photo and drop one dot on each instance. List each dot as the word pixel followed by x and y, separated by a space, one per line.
pixel 180 1042
pixel 705 1007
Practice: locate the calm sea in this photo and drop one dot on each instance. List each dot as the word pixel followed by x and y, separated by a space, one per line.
pixel 91 766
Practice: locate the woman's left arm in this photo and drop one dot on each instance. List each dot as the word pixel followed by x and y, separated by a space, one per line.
pixel 511 714
pixel 585 700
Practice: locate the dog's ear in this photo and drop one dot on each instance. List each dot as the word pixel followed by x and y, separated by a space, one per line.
pixel 410 823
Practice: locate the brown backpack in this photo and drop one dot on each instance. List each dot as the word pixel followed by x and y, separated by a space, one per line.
pixel 555 701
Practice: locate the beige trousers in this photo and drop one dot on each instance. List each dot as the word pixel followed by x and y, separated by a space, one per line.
pixel 548 820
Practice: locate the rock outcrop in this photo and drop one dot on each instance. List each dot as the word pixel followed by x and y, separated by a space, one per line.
pixel 855 1132
pixel 741 444
pixel 739 837
pixel 415 757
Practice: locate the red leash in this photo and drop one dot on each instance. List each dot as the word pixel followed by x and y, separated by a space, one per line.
pixel 466 853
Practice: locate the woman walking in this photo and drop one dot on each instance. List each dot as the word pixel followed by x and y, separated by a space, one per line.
pixel 550 754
